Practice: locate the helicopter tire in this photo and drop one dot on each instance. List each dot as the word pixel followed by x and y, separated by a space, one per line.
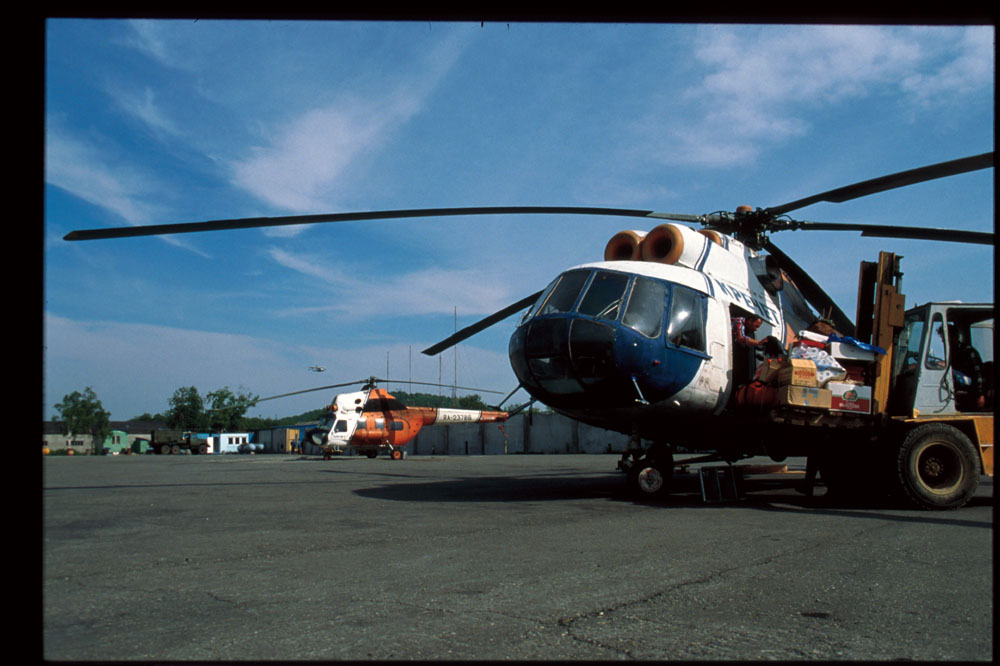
pixel 397 454
pixel 937 467
pixel 371 454
pixel 651 477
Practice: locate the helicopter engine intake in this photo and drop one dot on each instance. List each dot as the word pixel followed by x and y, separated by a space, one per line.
pixel 676 244
pixel 624 246
pixel 665 244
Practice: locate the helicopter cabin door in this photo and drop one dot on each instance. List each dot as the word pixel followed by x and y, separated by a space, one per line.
pixel 718 329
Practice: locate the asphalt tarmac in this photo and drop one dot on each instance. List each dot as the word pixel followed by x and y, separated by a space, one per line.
pixel 279 557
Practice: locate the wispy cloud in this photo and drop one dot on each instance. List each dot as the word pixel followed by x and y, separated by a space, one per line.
pixel 968 66
pixel 304 164
pixel 299 169
pixel 88 171
pixel 427 291
pixel 83 169
pixel 761 85
pixel 142 106
pixel 146 38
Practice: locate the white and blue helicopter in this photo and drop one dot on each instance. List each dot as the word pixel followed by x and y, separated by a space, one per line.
pixel 640 343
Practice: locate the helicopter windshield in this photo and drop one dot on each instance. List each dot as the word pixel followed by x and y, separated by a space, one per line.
pixel 604 296
pixel 645 307
pixel 563 296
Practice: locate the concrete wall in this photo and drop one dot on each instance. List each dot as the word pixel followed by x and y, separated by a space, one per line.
pixel 539 433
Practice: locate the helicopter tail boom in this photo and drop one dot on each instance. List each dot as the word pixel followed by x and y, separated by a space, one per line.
pixel 446 416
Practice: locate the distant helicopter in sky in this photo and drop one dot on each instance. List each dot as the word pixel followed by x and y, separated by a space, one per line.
pixel 641 343
pixel 317 368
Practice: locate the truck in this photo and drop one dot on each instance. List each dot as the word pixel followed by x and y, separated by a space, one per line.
pixel 165 441
pixel 914 415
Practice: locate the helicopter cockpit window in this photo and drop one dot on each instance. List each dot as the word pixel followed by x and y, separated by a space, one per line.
pixel 605 295
pixel 687 319
pixel 340 426
pixel 538 301
pixel 645 307
pixel 563 296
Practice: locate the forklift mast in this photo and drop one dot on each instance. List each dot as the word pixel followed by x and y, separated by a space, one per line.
pixel 881 306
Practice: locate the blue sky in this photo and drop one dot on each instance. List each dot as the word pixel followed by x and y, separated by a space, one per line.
pixel 177 120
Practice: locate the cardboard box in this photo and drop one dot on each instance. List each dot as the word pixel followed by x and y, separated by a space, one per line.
pixel 804 396
pixel 857 372
pixel 797 372
pixel 850 397
pixel 768 371
pixel 842 350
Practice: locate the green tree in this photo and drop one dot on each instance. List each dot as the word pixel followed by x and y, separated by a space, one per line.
pixel 83 414
pixel 146 416
pixel 473 401
pixel 228 410
pixel 187 409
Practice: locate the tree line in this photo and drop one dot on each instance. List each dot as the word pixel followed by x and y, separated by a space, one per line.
pixel 222 410
pixel 81 412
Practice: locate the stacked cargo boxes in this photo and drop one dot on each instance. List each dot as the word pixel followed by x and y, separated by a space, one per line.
pixel 820 373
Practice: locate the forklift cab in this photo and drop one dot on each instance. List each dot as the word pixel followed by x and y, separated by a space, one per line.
pixel 943 360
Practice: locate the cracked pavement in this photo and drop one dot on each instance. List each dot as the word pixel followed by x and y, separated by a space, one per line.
pixel 497 558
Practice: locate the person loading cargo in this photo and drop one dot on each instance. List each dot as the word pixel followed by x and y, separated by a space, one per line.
pixel 744 343
pixel 744 329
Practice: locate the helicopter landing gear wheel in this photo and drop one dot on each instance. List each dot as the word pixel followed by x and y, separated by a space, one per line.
pixel 397 454
pixel 371 454
pixel 651 477
pixel 937 467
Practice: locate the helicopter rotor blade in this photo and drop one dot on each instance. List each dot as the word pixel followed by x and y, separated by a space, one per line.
pixel 482 324
pixel 896 231
pixel 372 381
pixel 812 292
pixel 311 390
pixel 464 388
pixel 767 216
pixel 892 181
pixel 257 222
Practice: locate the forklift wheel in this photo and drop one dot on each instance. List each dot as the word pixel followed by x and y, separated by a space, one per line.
pixel 937 467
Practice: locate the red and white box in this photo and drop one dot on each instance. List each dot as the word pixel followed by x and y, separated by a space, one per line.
pixel 850 397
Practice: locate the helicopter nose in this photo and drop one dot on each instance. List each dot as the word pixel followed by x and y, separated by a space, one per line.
pixel 563 356
pixel 317 436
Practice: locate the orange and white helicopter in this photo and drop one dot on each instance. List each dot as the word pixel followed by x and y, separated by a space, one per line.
pixel 640 343
pixel 372 420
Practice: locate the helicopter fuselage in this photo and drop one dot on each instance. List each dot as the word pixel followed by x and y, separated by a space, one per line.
pixel 372 420
pixel 645 347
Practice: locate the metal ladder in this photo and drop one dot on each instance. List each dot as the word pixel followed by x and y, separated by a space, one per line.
pixel 721 483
